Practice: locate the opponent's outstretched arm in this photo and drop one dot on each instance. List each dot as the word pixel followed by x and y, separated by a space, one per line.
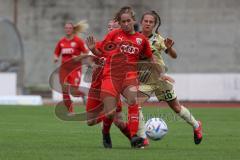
pixel 170 50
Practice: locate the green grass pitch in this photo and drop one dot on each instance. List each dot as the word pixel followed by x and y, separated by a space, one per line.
pixel 35 133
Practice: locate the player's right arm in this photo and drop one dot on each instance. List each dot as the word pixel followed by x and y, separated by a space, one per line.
pixel 91 44
pixel 57 52
pixel 94 47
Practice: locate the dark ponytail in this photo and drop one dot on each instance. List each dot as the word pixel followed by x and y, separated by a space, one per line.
pixel 158 19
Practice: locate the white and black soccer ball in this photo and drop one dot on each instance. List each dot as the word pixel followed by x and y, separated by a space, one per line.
pixel 156 128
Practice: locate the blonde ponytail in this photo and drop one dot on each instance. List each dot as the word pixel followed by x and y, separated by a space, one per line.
pixel 80 27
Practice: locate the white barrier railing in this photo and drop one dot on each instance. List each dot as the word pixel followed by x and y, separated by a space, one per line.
pixel 201 87
pixel 8 84
pixel 208 87
pixel 8 92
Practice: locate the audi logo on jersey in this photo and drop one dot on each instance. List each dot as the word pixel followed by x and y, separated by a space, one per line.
pixel 128 49
pixel 67 51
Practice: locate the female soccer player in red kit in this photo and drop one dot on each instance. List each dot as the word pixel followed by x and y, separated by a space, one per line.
pixel 124 47
pixel 69 47
pixel 94 102
pixel 94 105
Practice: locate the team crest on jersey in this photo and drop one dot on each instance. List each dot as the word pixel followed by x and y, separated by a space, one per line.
pixel 62 45
pixel 73 44
pixel 139 41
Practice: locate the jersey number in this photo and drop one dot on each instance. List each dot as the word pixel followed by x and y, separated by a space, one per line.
pixel 168 94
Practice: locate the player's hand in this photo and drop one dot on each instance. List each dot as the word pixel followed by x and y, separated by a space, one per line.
pixel 168 42
pixel 55 60
pixel 90 41
pixel 167 78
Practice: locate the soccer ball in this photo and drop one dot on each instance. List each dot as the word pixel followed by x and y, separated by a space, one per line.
pixel 156 128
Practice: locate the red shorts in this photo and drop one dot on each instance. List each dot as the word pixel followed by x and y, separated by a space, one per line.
pixel 111 87
pixel 94 101
pixel 70 77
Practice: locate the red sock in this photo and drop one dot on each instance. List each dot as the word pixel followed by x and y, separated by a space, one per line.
pixel 67 101
pixel 126 131
pixel 107 122
pixel 133 120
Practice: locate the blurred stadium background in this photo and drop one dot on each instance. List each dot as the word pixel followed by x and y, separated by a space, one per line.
pixel 207 36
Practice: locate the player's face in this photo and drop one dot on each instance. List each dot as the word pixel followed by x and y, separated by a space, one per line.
pixel 127 22
pixel 68 28
pixel 112 25
pixel 148 23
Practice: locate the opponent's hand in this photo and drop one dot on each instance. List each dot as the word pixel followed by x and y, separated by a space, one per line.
pixel 90 41
pixel 168 42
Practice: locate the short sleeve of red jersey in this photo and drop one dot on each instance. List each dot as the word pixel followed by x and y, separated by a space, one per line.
pixel 57 51
pixel 147 49
pixel 110 36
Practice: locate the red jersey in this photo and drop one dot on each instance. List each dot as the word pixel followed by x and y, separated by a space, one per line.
pixel 123 51
pixel 69 48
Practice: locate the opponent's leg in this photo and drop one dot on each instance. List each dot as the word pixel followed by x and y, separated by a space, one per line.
pixel 142 97
pixel 165 92
pixel 141 128
pixel 185 114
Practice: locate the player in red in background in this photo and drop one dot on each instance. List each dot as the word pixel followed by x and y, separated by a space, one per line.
pixel 69 47
pixel 124 47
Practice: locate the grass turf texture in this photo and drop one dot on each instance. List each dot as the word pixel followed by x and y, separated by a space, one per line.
pixel 36 133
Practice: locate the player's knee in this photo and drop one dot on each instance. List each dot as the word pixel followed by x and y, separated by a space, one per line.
pixel 131 101
pixel 176 108
pixel 175 105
